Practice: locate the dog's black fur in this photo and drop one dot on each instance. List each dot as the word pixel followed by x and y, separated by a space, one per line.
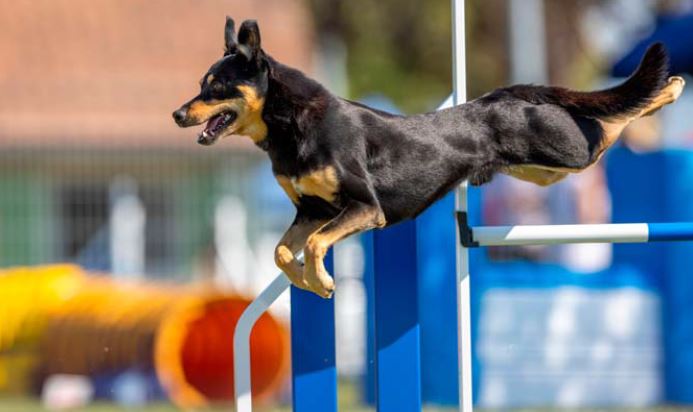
pixel 385 168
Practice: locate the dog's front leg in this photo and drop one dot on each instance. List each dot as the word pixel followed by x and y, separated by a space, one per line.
pixel 354 218
pixel 293 241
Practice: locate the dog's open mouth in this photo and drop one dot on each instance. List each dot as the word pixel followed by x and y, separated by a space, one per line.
pixel 215 126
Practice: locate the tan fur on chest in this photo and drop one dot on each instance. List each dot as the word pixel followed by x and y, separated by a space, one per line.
pixel 322 183
pixel 285 183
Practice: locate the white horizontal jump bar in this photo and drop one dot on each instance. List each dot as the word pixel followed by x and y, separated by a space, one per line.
pixel 557 234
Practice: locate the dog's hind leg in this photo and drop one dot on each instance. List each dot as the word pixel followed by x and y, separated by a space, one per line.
pixel 355 218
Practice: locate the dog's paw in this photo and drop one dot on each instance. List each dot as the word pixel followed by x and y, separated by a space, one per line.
pixel 319 282
pixel 325 290
pixel 675 85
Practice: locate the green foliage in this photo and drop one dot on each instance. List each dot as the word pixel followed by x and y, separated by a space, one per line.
pixel 399 48
pixel 402 48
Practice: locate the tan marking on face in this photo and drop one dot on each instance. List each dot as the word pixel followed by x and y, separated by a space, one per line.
pixel 210 78
pixel 250 121
pixel 322 183
pixel 200 111
pixel 285 183
pixel 248 110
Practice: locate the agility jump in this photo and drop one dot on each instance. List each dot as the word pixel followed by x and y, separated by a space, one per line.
pixel 349 168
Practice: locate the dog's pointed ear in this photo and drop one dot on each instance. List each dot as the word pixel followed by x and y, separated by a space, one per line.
pixel 249 39
pixel 230 45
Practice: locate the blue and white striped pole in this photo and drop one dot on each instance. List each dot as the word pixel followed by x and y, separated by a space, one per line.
pixel 603 233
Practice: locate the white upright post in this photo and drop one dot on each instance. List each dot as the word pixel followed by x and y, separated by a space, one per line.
pixel 127 219
pixel 464 331
pixel 527 41
pixel 241 340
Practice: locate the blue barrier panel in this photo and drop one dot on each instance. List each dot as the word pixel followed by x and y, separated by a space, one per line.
pixel 397 365
pixel 436 229
pixel 435 248
pixel 677 289
pixel 655 187
pixel 314 373
pixel 368 384
pixel 435 234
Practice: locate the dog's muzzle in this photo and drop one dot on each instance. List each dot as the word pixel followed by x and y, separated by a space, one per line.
pixel 181 116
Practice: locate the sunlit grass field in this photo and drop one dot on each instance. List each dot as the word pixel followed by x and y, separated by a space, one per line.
pixel 348 402
pixel 23 405
pixel 18 405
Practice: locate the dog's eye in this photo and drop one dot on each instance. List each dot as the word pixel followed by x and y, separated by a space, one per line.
pixel 217 88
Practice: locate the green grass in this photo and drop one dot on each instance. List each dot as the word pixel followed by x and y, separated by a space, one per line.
pixel 348 402
pixel 28 405
pixel 32 405
pixel 19 405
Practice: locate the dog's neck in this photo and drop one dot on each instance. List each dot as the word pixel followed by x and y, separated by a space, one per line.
pixel 292 102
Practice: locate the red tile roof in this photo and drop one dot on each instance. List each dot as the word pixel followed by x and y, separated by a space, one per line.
pixel 109 73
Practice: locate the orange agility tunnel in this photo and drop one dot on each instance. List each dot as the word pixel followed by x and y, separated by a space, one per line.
pixel 185 336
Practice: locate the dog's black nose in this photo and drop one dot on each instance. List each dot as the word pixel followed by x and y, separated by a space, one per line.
pixel 180 115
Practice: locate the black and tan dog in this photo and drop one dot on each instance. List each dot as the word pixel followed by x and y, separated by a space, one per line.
pixel 349 168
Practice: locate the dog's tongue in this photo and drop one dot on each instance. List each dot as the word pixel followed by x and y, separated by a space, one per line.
pixel 213 123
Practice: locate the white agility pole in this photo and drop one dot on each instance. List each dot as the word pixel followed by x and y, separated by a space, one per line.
pixel 464 327
pixel 602 233
pixel 241 340
pixel 557 234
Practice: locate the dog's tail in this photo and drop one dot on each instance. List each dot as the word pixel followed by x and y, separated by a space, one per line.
pixel 628 98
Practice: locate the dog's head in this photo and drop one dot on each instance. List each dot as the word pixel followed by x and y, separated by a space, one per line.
pixel 232 91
